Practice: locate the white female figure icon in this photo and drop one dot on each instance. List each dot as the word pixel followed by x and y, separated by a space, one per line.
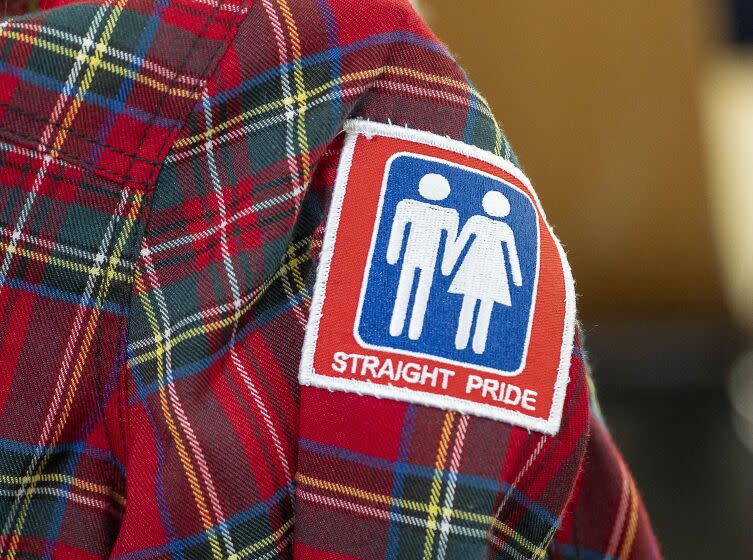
pixel 482 277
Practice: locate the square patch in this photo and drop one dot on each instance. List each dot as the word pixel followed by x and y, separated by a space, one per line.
pixel 440 282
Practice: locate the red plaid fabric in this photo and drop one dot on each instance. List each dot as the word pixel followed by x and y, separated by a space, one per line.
pixel 165 171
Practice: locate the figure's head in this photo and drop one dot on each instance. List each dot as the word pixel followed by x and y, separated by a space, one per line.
pixel 496 204
pixel 434 187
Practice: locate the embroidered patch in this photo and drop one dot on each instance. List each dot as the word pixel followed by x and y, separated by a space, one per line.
pixel 440 282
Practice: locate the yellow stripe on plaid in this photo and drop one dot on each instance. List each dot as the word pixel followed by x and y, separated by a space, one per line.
pixel 293 266
pixel 93 65
pixel 96 61
pixel 65 479
pixel 300 87
pixel 45 258
pixel 273 538
pixel 436 483
pixel 225 322
pixel 389 501
pixel 343 80
pixel 185 459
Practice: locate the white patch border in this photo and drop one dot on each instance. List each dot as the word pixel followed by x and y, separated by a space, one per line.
pixel 308 377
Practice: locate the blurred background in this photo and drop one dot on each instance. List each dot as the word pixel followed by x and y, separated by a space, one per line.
pixel 635 122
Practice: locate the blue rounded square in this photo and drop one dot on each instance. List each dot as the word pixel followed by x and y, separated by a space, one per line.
pixel 453 266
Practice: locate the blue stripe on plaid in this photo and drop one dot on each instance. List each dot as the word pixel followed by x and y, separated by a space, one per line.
pixel 89 97
pixel 383 39
pixel 179 546
pixel 429 473
pixel 335 64
pixel 59 295
pixel 393 535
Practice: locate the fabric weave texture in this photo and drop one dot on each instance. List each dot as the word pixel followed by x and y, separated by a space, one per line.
pixel 165 171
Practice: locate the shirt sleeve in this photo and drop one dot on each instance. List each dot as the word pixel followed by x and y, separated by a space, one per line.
pixel 234 456
pixel 606 517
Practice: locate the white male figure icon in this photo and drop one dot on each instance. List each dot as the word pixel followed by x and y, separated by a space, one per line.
pixel 426 222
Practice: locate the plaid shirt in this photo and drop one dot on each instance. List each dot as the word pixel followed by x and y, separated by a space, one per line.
pixel 165 169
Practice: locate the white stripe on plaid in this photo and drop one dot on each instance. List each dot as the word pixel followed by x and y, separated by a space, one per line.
pixel 215 229
pixel 51 246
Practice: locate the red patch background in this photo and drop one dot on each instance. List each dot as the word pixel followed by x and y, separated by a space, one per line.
pixel 345 279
